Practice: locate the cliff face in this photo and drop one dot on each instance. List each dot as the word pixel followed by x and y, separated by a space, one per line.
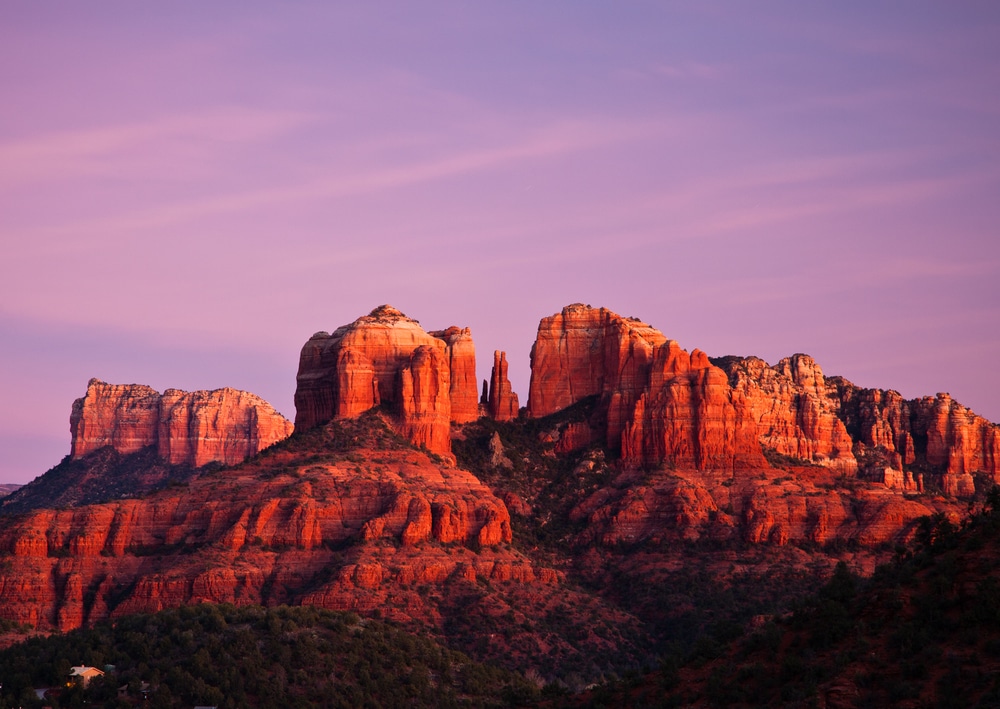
pixel 874 433
pixel 191 428
pixel 771 506
pixel 660 404
pixel 123 416
pixel 584 351
pixel 429 379
pixel 688 416
pixel 461 355
pixel 425 399
pixel 792 410
pixel 906 439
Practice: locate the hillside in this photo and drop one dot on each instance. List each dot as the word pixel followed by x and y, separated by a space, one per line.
pixel 105 475
pixel 251 656
pixel 345 516
pixel 924 631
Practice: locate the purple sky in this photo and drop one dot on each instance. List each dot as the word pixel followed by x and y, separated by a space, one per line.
pixel 189 190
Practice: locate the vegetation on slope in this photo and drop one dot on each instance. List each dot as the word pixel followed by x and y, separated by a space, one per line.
pixel 227 656
pixel 924 631
pixel 102 476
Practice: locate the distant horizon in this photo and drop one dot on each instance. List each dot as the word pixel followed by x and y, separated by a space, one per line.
pixel 188 192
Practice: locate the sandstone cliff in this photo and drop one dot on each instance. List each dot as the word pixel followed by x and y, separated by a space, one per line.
pixel 660 404
pixel 461 354
pixel 777 507
pixel 904 441
pixel 428 379
pixel 192 428
pixel 792 409
pixel 123 416
pixel 877 434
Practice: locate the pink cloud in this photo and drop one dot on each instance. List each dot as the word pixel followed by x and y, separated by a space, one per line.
pixel 121 149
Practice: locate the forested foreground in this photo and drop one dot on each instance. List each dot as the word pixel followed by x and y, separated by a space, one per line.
pixel 227 656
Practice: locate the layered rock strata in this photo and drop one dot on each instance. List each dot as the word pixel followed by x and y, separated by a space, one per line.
pixel 501 402
pixel 385 358
pixel 660 404
pixel 461 354
pixel 774 507
pixel 265 537
pixel 792 409
pixel 899 438
pixel 192 428
pixel 874 432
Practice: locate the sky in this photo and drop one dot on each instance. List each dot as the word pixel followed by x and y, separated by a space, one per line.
pixel 189 190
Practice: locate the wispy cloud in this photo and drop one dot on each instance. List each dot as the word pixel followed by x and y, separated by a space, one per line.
pixel 552 140
pixel 107 149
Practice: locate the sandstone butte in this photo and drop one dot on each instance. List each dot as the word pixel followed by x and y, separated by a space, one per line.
pixel 193 428
pixel 659 405
pixel 427 379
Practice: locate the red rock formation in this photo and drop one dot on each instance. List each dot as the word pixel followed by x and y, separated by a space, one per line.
pixel 123 416
pixel 196 428
pixel 502 403
pixel 356 384
pixel 424 400
pixel 792 410
pixel 224 425
pixel 258 538
pixel 759 507
pixel 386 357
pixel 381 342
pixel 462 366
pixel 933 433
pixel 584 351
pixel 960 440
pixel 662 405
pixel 689 417
pixel 574 436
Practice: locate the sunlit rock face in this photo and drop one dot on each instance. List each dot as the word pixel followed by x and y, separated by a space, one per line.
pixel 193 428
pixel 660 403
pixel 428 380
pixel 258 537
pixel 792 410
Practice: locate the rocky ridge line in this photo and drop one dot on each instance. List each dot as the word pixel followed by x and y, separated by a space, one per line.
pixel 659 405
